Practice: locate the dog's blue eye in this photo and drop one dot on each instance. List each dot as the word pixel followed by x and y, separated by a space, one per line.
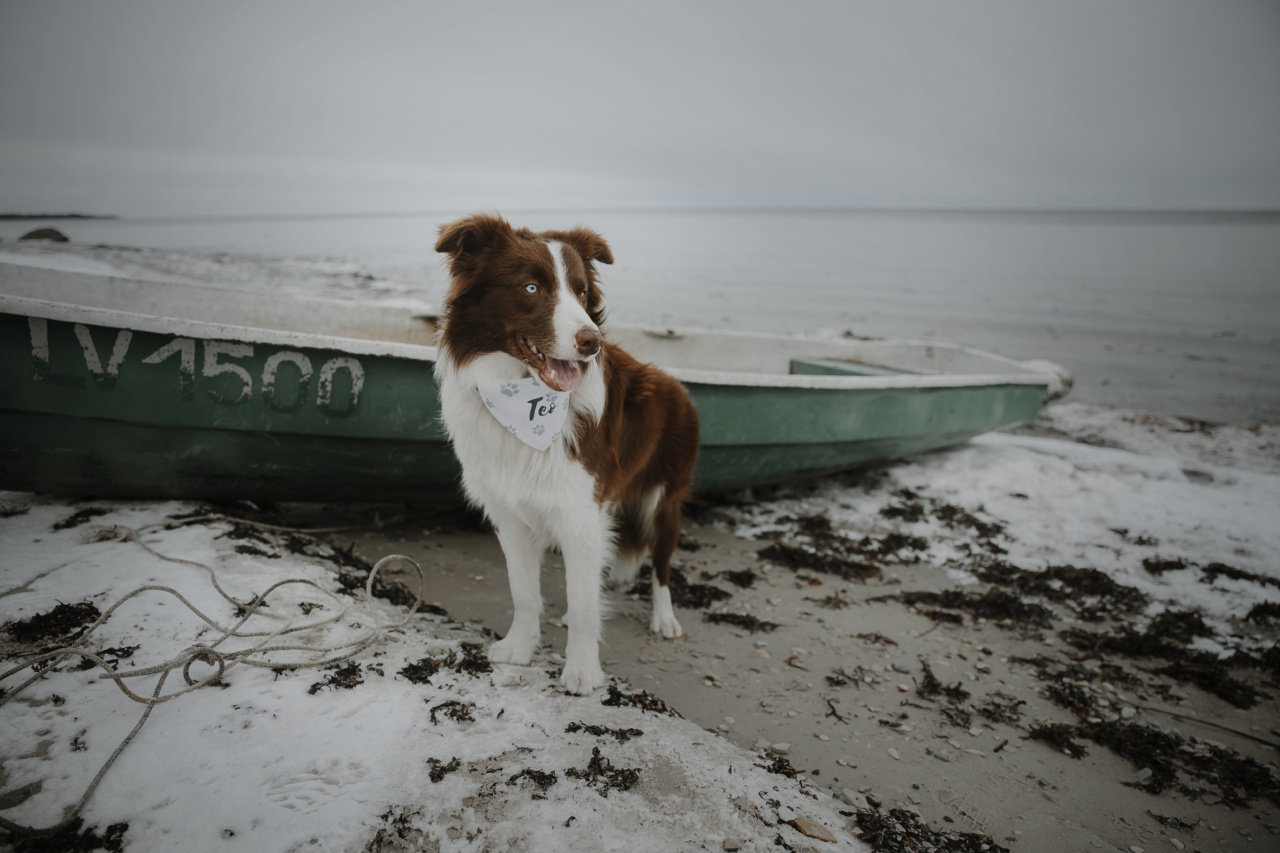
pixel 531 288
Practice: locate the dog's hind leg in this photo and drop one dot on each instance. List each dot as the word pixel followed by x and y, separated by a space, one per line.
pixel 666 534
pixel 523 550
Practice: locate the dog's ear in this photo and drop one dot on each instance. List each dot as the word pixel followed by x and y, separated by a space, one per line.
pixel 586 242
pixel 472 235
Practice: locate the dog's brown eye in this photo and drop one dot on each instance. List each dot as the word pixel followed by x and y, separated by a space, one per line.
pixel 531 288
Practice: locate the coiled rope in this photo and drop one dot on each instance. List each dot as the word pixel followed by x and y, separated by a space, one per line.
pixel 209 653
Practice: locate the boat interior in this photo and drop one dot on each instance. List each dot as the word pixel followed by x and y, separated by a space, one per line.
pixel 416 325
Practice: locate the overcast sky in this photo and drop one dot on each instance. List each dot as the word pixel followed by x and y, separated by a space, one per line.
pixel 162 107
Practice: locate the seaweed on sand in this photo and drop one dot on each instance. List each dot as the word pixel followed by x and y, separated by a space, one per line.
pixel 641 699
pixel 901 831
pixel 603 776
pixel 740 620
pixel 471 660
pixel 344 677
pixel 61 621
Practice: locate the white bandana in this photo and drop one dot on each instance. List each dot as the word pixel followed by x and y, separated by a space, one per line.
pixel 528 409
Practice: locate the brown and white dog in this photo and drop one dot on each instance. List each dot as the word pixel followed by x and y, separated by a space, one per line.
pixel 601 464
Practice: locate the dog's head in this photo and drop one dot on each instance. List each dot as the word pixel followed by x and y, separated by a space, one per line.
pixel 535 297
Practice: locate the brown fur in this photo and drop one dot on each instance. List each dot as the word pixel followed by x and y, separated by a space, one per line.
pixel 648 435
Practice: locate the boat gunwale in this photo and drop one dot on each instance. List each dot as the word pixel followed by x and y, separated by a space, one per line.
pixel 164 325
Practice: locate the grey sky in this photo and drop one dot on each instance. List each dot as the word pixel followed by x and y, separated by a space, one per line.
pixel 159 107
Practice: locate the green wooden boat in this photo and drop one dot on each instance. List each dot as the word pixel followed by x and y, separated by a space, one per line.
pixel 118 387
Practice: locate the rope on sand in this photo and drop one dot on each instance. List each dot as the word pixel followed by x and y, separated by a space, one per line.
pixel 207 653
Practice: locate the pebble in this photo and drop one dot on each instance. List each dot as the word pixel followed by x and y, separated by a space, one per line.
pixel 762 744
pixel 1143 774
pixel 823 738
pixel 842 762
pixel 761 653
pixel 793 713
pixel 862 789
pixel 847 797
pixel 893 753
pixel 1128 712
pixel 1045 783
pixel 874 801
pixel 813 829
pixel 975 732
pixel 1133 848
pixel 730 720
pixel 785 814
pixel 731 844
pixel 1178 844
pixel 760 644
pixel 780 748
pixel 897 667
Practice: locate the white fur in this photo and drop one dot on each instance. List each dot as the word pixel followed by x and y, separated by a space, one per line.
pixel 536 499
pixel 663 620
pixel 569 317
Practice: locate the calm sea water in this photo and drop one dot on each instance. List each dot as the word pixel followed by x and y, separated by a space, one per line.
pixel 1178 314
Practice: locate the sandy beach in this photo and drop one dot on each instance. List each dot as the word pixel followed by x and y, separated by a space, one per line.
pixel 1060 638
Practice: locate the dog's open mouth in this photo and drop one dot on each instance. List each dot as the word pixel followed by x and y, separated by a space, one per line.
pixel 554 372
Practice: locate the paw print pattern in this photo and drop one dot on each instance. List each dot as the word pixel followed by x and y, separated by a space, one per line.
pixel 511 429
pixel 539 429
pixel 509 388
pixel 488 402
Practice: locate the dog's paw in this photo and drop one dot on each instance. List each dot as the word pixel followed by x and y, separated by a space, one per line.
pixel 510 650
pixel 582 678
pixel 665 624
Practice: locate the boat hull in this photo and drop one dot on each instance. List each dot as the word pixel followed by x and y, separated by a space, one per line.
pixel 104 410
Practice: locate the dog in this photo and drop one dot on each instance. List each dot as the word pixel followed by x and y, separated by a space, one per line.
pixel 565 440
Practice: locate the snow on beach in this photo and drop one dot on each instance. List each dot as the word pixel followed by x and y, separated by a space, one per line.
pixel 343 759
pixel 336 759
pixel 1113 489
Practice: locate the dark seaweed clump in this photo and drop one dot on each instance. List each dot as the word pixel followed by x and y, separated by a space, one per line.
pixel 1001 708
pixel 541 779
pixel 744 579
pixel 1091 593
pixel 740 620
pixel 603 776
pixel 694 596
pixel 1267 611
pixel 439 769
pixel 781 766
pixel 62 620
pixel 1204 670
pixel 1238 779
pixel 620 735
pixel 994 604
pixel 469 658
pixel 454 710
pixel 800 557
pixel 930 687
pixel 901 831
pixel 1215 570
pixel 345 678
pixel 1060 736
pixel 1160 565
pixel 71 839
pixel 80 517
pixel 641 699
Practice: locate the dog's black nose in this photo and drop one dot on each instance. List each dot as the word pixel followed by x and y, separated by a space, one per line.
pixel 588 340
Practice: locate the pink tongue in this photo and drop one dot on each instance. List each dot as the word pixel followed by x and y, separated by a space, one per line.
pixel 567 377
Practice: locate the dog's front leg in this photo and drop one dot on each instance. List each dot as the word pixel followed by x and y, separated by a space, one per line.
pixel 523 550
pixel 585 545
